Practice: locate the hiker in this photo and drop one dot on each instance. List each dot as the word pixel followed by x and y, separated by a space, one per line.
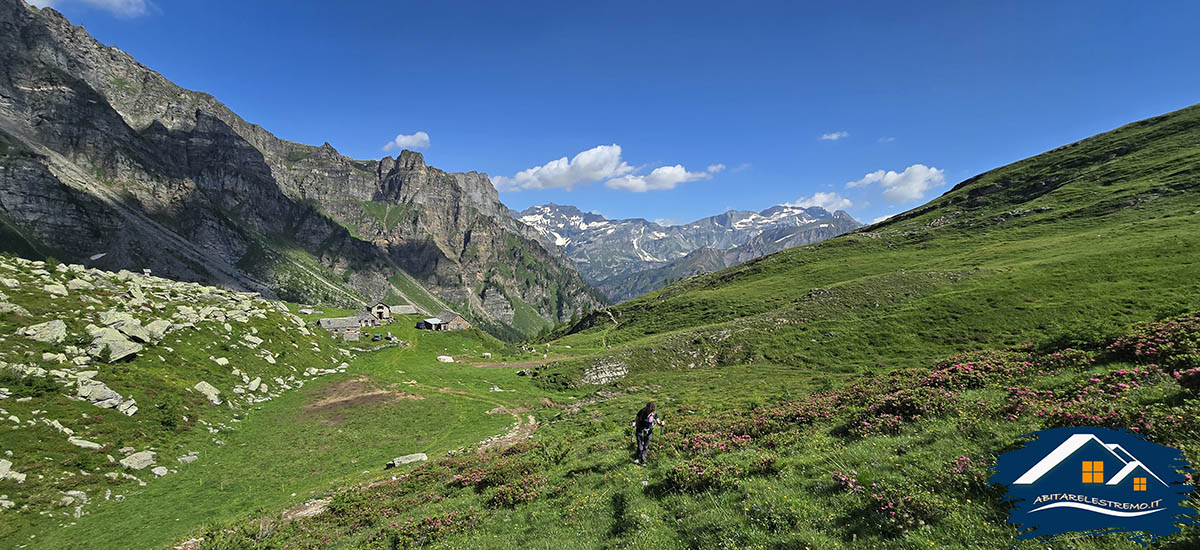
pixel 642 426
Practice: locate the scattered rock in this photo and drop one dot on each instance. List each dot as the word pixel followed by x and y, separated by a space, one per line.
pixel 213 394
pixel 128 408
pixel 50 332
pixel 139 460
pixel 115 343
pixel 406 459
pixel 98 394
pixel 254 384
pixel 445 359
pixel 79 284
pixel 159 471
pixel 57 290
pixel 83 443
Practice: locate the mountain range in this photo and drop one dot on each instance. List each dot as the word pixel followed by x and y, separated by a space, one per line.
pixel 104 160
pixel 629 257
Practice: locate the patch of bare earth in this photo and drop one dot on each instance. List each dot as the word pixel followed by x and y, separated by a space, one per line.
pixel 348 394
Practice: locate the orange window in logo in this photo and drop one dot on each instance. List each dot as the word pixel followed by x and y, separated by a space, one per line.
pixel 1139 484
pixel 1093 471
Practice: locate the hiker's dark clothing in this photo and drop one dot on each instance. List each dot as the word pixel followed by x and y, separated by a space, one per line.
pixel 642 428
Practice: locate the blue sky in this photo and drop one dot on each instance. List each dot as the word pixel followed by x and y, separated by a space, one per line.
pixel 677 111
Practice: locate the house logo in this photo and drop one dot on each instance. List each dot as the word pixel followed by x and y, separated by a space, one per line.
pixel 1095 480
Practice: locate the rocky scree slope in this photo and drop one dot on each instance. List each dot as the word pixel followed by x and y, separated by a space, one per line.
pixel 99 154
pixel 626 258
pixel 111 380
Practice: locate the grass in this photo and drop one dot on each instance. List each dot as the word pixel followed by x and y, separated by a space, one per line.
pixel 388 215
pixel 762 456
pixel 414 294
pixel 774 377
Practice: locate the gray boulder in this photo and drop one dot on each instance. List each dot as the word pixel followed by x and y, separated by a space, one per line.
pixel 139 460
pixel 98 394
pixel 50 332
pixel 57 290
pixel 406 459
pixel 114 343
pixel 83 443
pixel 213 394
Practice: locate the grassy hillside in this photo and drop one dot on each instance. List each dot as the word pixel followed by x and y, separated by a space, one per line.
pixel 850 393
pixel 1097 235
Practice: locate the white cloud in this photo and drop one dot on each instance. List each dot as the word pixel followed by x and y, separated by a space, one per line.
pixel 881 218
pixel 835 136
pixel 886 139
pixel 124 8
pixel 906 186
pixel 828 201
pixel 419 140
pixel 714 168
pixel 667 222
pixel 663 177
pixel 741 167
pixel 595 164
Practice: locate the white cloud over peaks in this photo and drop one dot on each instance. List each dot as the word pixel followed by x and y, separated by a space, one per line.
pixel 595 164
pixel 125 8
pixel 663 177
pixel 906 186
pixel 835 136
pixel 419 140
pixel 828 201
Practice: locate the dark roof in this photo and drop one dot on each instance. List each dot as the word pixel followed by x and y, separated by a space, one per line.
pixel 446 315
pixel 338 322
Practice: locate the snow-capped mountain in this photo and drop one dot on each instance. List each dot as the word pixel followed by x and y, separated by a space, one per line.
pixel 605 249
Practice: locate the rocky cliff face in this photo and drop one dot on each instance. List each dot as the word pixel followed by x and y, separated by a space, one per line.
pixel 625 258
pixel 101 155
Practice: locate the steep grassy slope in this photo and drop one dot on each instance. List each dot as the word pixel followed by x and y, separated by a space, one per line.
pixel 1099 233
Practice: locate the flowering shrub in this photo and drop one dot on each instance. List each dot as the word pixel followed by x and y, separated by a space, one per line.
pixel 522 491
pixel 848 481
pixel 1173 343
pixel 428 529
pixel 912 403
pixel 498 471
pixel 964 474
pixel 896 509
pixel 1067 359
pixel 977 369
pixel 1189 378
pixel 884 424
